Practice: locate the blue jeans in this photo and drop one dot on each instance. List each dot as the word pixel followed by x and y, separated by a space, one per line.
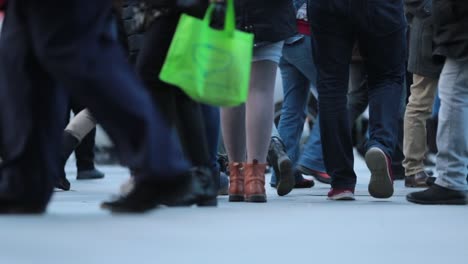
pixel 298 73
pixel 380 28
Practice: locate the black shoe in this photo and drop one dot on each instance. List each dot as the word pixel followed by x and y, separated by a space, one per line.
pixel 89 174
pixel 146 195
pixel 438 195
pixel 299 184
pixel 417 180
pixel 69 143
pixel 62 183
pixel 10 207
pixel 202 190
pixel 282 166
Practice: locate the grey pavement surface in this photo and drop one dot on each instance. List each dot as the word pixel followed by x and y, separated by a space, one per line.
pixel 302 227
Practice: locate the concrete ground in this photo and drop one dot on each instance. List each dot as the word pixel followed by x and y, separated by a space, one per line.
pixel 302 227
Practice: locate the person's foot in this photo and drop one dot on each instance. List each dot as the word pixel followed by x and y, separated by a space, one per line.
pixel 301 182
pixel 254 188
pixel 417 180
pixel 381 181
pixel 320 176
pixel 11 207
pixel 438 195
pixel 202 191
pixel 149 194
pixel 62 183
pixel 304 183
pixel 282 166
pixel 336 194
pixel 223 184
pixel 89 174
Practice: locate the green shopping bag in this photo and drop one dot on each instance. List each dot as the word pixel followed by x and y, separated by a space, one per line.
pixel 211 66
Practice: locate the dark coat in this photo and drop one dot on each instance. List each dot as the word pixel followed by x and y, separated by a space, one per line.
pixel 451 28
pixel 269 20
pixel 421 47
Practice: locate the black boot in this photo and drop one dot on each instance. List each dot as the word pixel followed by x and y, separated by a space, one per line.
pixel 282 166
pixel 148 194
pixel 85 159
pixel 194 187
pixel 203 189
pixel 438 195
pixel 69 144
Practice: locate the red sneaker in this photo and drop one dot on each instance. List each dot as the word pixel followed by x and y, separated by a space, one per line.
pixel 346 194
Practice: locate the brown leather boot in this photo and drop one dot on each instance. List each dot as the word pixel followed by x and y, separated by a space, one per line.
pixel 236 182
pixel 255 182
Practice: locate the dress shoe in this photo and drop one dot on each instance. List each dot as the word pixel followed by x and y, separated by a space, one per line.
pixel 417 180
pixel 438 195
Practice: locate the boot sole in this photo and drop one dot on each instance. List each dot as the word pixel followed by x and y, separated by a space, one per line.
pixel 286 179
pixel 447 202
pixel 236 198
pixel 256 199
pixel 380 184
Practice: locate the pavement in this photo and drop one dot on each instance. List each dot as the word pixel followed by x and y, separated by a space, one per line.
pixel 302 227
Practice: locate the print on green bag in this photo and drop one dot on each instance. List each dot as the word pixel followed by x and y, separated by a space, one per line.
pixel 219 66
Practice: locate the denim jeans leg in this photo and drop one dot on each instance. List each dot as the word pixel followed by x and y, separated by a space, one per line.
pixel 452 136
pixel 312 156
pixel 296 90
pixel 384 44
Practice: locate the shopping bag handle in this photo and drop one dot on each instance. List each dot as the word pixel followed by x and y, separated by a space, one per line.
pixel 229 20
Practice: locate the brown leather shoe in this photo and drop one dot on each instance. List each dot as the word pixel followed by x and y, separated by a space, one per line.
pixel 255 182
pixel 417 180
pixel 236 182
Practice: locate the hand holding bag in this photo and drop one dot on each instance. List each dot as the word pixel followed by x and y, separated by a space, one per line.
pixel 211 66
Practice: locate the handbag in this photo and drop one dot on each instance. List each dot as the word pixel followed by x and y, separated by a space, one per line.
pixel 211 66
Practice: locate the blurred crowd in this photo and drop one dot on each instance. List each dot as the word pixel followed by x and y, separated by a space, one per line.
pixel 403 63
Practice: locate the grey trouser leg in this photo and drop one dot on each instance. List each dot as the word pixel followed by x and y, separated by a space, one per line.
pixel 452 134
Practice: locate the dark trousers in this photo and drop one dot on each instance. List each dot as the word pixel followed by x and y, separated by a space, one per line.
pixel 51 47
pixel 195 123
pixel 379 26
